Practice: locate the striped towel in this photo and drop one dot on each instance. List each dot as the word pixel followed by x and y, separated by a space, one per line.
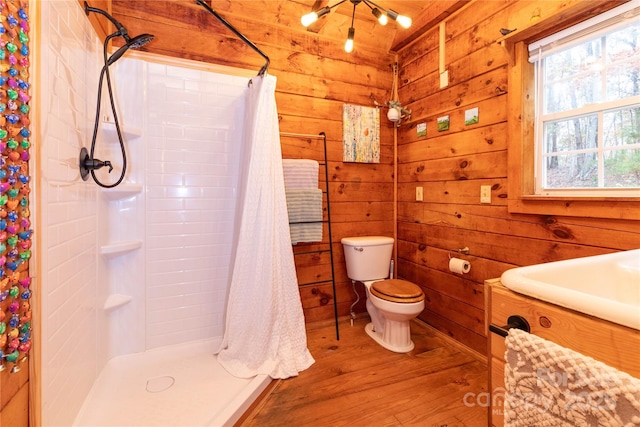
pixel 300 173
pixel 550 385
pixel 304 205
pixel 310 232
pixel 305 215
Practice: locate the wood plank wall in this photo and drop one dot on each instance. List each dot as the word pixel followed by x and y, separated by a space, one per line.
pixel 14 396
pixel 315 78
pixel 452 165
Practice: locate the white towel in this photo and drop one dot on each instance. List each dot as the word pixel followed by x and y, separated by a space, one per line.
pixel 550 385
pixel 300 173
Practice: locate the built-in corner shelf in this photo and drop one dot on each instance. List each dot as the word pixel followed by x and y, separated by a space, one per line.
pixel 122 191
pixel 128 133
pixel 119 248
pixel 116 300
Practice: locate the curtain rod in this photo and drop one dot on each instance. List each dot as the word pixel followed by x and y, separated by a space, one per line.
pixel 242 37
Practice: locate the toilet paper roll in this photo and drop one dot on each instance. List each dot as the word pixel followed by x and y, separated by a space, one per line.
pixel 460 266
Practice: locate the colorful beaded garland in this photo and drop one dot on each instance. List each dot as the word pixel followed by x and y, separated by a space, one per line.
pixel 15 232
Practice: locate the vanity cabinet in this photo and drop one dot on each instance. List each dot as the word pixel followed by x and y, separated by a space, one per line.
pixel 617 346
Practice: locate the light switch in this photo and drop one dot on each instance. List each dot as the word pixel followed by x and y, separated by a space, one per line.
pixel 418 194
pixel 485 194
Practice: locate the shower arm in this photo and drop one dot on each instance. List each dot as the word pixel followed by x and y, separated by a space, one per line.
pixel 241 36
pixel 120 29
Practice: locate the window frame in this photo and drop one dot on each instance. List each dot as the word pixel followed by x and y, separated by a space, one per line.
pixel 594 28
pixel 522 197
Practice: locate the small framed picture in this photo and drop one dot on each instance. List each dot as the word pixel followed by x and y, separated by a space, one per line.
pixel 471 116
pixel 443 123
pixel 422 129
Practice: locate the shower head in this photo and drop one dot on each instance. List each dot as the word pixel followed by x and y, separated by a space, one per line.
pixel 133 43
pixel 140 41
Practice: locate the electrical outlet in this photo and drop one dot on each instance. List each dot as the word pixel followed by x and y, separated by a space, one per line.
pixel 485 194
pixel 418 194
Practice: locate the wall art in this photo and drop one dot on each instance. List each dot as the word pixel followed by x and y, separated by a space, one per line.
pixel 360 134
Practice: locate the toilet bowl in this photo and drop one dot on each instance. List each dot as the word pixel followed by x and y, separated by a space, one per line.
pixel 390 315
pixel 391 303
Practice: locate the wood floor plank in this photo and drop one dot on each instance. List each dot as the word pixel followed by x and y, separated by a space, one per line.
pixel 356 382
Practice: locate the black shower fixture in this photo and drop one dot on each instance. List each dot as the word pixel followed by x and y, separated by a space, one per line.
pixel 88 164
pixel 133 43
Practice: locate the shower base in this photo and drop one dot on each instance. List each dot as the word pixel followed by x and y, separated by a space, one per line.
pixel 173 386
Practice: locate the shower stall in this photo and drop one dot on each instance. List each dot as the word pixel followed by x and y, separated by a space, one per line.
pixel 133 280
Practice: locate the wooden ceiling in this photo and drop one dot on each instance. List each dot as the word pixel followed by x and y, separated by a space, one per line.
pixel 172 20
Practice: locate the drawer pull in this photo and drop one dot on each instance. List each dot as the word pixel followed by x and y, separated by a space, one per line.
pixel 517 322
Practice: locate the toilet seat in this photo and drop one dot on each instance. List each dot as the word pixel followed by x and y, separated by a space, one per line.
pixel 396 290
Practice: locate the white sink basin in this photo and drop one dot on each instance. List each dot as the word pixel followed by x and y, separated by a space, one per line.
pixel 604 286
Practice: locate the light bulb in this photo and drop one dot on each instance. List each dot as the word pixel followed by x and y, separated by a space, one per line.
pixel 348 46
pixel 404 21
pixel 309 19
pixel 382 18
pixel 312 17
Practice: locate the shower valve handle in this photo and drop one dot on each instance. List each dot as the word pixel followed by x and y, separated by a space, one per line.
pixel 94 164
pixel 87 164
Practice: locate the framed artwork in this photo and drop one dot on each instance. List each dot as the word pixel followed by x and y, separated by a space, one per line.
pixel 443 123
pixel 421 128
pixel 360 134
pixel 471 116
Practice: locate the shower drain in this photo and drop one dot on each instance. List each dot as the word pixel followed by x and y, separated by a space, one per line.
pixel 160 384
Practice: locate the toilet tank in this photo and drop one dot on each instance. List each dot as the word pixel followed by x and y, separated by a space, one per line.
pixel 367 257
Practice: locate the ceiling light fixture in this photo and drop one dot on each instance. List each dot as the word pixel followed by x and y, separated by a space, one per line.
pixel 382 15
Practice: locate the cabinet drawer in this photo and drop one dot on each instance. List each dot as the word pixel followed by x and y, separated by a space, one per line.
pixel 613 344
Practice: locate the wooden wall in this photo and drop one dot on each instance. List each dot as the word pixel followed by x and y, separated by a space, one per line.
pixel 452 165
pixel 14 397
pixel 315 77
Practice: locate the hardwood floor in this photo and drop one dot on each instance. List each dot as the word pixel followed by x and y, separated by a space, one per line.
pixel 356 382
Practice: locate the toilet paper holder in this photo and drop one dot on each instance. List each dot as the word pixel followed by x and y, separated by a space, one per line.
pixel 464 251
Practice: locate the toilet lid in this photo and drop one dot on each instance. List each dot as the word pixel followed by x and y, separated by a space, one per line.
pixel 396 290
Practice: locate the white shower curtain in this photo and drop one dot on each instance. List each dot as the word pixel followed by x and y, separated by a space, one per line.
pixel 265 330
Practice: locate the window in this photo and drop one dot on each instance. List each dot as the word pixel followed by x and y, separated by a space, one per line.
pixel 587 108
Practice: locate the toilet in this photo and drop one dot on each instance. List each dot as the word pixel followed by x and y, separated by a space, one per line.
pixel 391 303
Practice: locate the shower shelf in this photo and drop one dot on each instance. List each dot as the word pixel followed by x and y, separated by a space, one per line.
pixel 122 191
pixel 109 129
pixel 119 248
pixel 116 300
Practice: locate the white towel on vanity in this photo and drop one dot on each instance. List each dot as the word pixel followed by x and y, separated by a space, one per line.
pixel 550 385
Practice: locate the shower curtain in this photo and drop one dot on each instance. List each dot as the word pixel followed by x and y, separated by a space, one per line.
pixel 264 330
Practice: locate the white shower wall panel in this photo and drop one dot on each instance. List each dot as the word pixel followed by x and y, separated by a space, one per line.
pixel 65 209
pixel 193 133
